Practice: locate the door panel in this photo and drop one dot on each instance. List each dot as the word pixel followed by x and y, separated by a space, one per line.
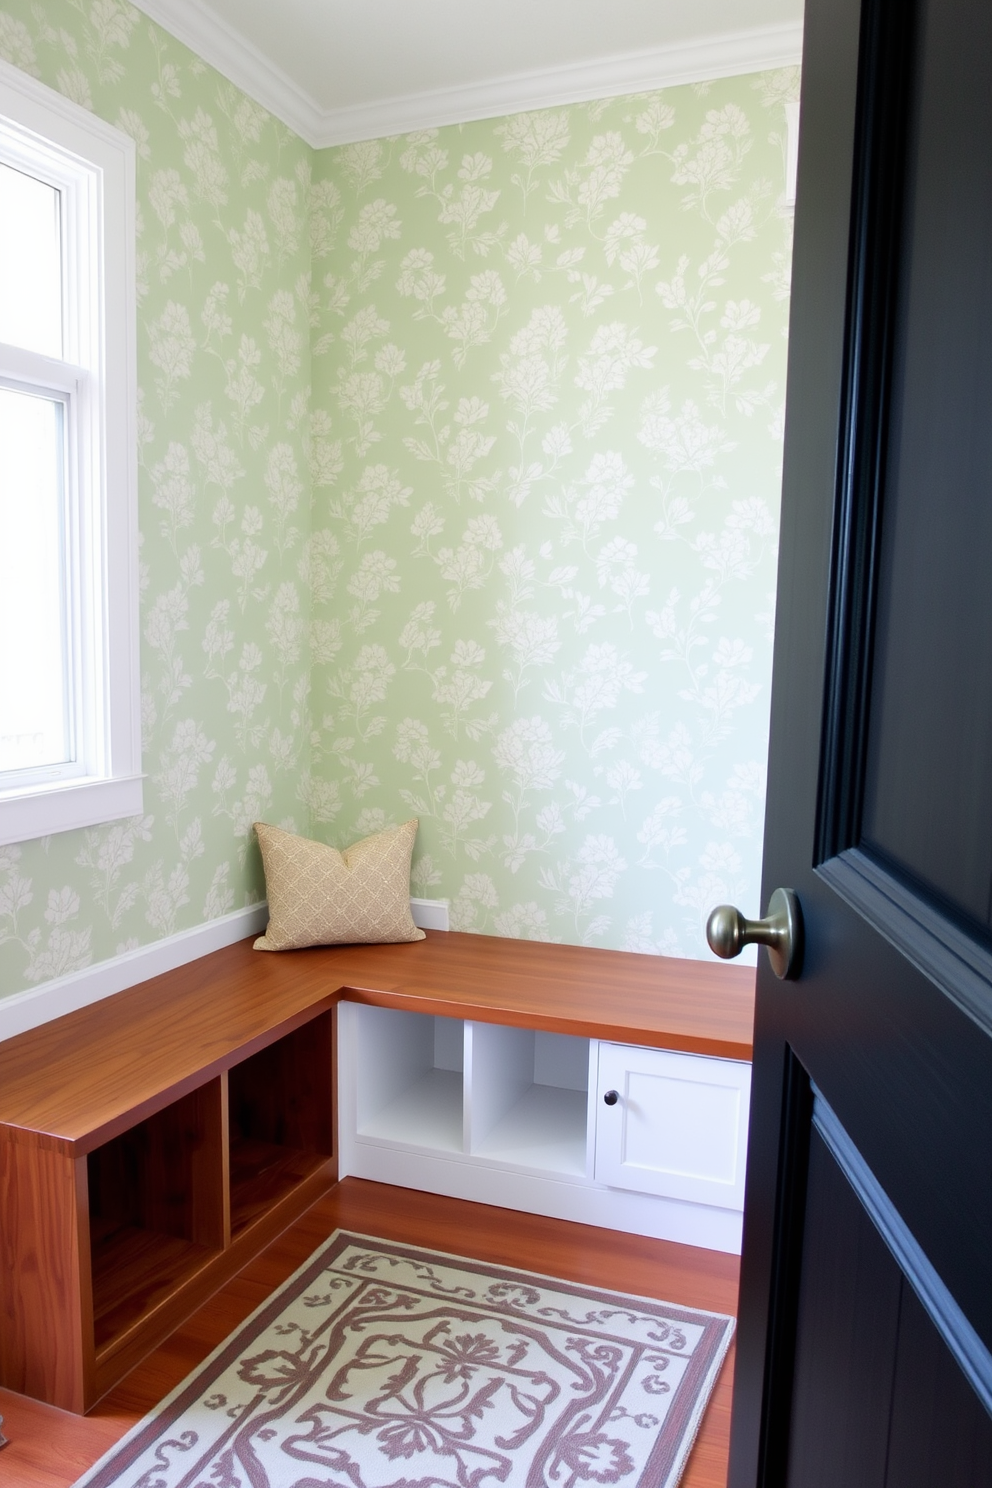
pixel 940 1433
pixel 928 796
pixel 847 1333
pixel 879 1401
pixel 880 780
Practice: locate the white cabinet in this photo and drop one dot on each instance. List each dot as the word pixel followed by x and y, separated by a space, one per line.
pixel 516 1117
pixel 672 1124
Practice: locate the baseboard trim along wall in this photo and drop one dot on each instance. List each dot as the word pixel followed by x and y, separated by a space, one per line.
pixel 430 914
pixel 65 994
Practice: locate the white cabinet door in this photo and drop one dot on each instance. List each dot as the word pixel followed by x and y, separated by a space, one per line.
pixel 678 1124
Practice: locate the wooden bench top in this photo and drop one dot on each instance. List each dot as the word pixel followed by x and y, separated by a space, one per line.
pixel 74 1083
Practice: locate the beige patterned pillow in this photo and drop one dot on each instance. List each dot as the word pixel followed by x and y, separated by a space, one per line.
pixel 319 896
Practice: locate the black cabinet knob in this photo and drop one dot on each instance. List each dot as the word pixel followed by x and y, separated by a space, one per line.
pixel 611 1097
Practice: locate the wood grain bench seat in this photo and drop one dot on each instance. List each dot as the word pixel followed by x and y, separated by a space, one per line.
pixel 133 1131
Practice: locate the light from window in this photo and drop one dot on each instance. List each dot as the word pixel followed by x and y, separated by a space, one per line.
pixel 70 752
pixel 30 263
pixel 35 722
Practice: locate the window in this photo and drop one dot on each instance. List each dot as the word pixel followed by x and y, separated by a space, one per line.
pixel 70 746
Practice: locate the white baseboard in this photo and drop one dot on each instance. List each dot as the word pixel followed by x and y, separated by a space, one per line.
pixel 430 914
pixel 588 1203
pixel 39 1005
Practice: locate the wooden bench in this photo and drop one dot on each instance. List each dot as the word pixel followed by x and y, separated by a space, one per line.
pixel 153 1142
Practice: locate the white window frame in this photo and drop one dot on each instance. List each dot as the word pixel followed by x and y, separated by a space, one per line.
pixel 93 166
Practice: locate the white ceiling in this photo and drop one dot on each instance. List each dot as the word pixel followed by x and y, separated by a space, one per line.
pixel 339 70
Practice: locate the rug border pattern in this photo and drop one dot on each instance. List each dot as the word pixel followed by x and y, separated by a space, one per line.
pixel 668 1457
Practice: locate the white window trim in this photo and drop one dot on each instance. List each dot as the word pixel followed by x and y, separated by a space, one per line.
pixel 95 164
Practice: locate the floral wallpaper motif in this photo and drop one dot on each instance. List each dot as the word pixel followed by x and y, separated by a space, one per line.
pixel 547 384
pixel 224 382
pixel 514 569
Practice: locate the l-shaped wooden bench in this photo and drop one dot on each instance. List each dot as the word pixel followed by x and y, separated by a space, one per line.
pixel 153 1142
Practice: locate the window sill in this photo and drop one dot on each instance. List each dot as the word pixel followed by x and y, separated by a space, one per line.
pixel 39 812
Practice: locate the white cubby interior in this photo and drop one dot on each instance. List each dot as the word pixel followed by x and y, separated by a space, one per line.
pixel 409 1079
pixel 509 1095
pixel 526 1095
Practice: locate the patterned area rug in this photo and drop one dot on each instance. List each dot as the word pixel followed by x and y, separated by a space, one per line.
pixel 386 1366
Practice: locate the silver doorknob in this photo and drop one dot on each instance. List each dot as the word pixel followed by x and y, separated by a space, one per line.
pixel 728 932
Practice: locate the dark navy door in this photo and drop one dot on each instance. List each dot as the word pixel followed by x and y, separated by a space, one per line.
pixel 866 1305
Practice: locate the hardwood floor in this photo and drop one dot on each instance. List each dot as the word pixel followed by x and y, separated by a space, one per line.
pixel 50 1448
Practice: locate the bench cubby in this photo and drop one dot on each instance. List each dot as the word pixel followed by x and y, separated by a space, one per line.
pixel 280 1119
pixel 408 1079
pixel 512 1096
pixel 156 1209
pixel 527 1093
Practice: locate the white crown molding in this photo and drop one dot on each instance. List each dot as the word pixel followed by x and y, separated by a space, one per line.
pixel 728 55
pixel 607 77
pixel 204 32
pixel 65 994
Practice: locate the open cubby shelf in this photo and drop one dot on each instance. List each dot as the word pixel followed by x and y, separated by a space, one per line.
pixel 156 1209
pixel 134 1271
pixel 428 1114
pixel 280 1119
pixel 262 1175
pixel 544 1130
pixel 508 1096
pixel 173 1192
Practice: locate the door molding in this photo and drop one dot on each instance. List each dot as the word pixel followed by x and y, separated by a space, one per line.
pixel 968 1350
pixel 957 964
pixel 887 33
pixel 786 1265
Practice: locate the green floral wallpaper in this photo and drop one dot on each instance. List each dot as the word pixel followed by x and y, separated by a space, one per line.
pixel 513 570
pixel 224 382
pixel 547 385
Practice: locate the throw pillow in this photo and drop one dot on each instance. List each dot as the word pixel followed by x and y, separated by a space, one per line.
pixel 319 896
